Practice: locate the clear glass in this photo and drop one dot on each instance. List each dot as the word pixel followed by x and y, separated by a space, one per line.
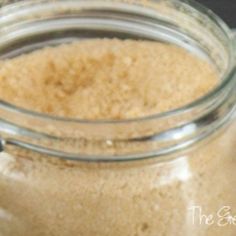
pixel 163 175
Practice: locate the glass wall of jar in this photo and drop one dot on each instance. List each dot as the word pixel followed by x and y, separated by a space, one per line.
pixel 167 174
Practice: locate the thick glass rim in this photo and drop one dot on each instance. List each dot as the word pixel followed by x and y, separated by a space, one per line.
pixel 226 80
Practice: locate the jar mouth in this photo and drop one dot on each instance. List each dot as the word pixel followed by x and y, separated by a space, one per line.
pixel 139 138
pixel 228 76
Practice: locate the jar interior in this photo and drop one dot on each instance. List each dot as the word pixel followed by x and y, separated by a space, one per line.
pixel 26 26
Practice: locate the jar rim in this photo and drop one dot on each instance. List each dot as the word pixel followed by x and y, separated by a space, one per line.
pixel 205 109
pixel 193 105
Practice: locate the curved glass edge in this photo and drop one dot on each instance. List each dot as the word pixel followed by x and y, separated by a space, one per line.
pixel 15 5
pixel 198 104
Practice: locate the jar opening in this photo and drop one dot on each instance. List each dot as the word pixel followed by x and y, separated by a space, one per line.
pixel 32 25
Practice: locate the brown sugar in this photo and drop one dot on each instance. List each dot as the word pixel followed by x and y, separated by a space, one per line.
pixel 113 79
pixel 106 79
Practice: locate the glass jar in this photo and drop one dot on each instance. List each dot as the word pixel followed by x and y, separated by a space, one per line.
pixel 167 174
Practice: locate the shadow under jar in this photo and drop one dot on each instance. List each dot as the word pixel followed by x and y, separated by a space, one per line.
pixel 163 175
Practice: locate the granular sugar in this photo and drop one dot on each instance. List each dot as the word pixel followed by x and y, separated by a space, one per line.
pixel 106 79
pixel 113 79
